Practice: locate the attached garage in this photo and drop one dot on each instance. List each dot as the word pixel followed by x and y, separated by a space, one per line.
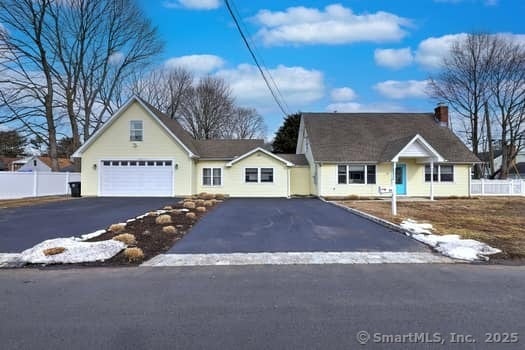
pixel 136 178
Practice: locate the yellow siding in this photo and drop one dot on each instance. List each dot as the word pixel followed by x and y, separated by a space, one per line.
pixel 416 185
pixel 300 181
pixel 233 177
pixel 114 144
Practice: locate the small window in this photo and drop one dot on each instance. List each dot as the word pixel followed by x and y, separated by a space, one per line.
pixel 251 175
pixel 115 163
pixel 136 130
pixel 150 163
pixel 446 173
pixel 427 173
pixel 370 174
pixel 341 174
pixel 124 163
pixel 356 174
pixel 159 163
pixel 211 176
pixel 106 163
pixel 133 163
pixel 167 163
pixel 142 163
pixel 266 174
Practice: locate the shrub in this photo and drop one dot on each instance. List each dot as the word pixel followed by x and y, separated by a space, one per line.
pixel 163 219
pixel 54 251
pixel 189 205
pixel 219 196
pixel 168 207
pixel 199 202
pixel 116 228
pixel 191 216
pixel 152 213
pixel 126 238
pixel 200 209
pixel 169 229
pixel 208 196
pixel 208 203
pixel 134 254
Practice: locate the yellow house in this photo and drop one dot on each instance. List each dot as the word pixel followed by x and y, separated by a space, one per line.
pixel 140 151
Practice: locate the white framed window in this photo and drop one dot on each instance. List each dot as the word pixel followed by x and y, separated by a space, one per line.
pixel 356 174
pixel 212 176
pixel 258 175
pixel 136 130
pixel 442 173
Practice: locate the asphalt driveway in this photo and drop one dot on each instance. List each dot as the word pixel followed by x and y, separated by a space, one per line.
pixel 289 225
pixel 22 228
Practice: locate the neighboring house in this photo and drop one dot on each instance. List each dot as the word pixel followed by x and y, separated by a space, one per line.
pixel 141 152
pixel 516 170
pixel 40 163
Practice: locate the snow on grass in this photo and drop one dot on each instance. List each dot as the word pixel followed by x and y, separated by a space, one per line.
pixel 88 236
pixel 76 251
pixel 450 245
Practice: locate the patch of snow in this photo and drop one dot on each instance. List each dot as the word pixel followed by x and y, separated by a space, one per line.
pixel 130 220
pixel 87 236
pixel 76 251
pixel 450 245
pixel 184 209
pixel 415 227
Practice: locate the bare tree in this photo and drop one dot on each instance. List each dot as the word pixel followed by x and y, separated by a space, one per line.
pixel 245 123
pixel 463 82
pixel 207 108
pixel 507 87
pixel 166 89
pixel 67 60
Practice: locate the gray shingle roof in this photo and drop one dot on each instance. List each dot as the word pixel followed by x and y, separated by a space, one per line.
pixel 225 149
pixel 221 149
pixel 297 159
pixel 352 137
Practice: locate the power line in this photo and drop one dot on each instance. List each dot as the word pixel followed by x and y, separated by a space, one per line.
pixel 261 59
pixel 265 78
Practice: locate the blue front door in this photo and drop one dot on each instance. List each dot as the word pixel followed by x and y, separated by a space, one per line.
pixel 401 179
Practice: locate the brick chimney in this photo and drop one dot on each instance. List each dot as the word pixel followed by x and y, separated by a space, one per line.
pixel 441 114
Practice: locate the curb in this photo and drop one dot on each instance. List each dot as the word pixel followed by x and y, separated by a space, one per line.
pixel 373 218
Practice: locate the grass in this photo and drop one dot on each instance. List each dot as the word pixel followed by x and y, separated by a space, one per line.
pixel 163 219
pixel 497 221
pixel 126 238
pixel 134 254
pixel 24 202
pixel 54 251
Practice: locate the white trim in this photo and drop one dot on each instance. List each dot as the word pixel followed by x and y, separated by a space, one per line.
pixel 258 149
pixel 212 185
pixel 259 182
pixel 78 153
pixel 429 148
pixel 142 129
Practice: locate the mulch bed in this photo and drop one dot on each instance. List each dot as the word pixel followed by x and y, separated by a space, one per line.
pixel 149 235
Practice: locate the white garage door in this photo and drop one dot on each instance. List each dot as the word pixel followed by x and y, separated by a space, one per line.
pixel 136 178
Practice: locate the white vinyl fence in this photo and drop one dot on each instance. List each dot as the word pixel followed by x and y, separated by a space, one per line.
pixel 35 184
pixel 509 187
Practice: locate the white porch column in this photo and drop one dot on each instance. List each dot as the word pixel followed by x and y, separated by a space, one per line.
pixel 394 203
pixel 431 179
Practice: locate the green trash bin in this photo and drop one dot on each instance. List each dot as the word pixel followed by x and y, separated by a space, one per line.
pixel 75 188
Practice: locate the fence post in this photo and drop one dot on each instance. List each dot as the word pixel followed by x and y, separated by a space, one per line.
pixel 511 185
pixel 482 187
pixel 35 183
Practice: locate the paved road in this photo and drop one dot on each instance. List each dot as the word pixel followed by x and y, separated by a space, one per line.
pixel 288 225
pixel 258 307
pixel 22 228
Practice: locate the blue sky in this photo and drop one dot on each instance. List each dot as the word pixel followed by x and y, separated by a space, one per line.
pixel 355 55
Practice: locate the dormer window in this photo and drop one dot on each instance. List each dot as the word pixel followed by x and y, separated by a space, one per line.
pixel 136 130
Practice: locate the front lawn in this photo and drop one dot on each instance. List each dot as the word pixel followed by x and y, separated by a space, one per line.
pixel 23 202
pixel 497 221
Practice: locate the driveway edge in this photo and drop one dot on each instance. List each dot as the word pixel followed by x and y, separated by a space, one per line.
pixel 373 218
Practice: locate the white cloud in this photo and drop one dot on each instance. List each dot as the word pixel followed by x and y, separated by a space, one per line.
pixel 193 4
pixel 396 89
pixel 343 94
pixel 355 107
pixel 335 24
pixel 431 51
pixel 116 58
pixel 199 64
pixel 299 86
pixel 393 58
